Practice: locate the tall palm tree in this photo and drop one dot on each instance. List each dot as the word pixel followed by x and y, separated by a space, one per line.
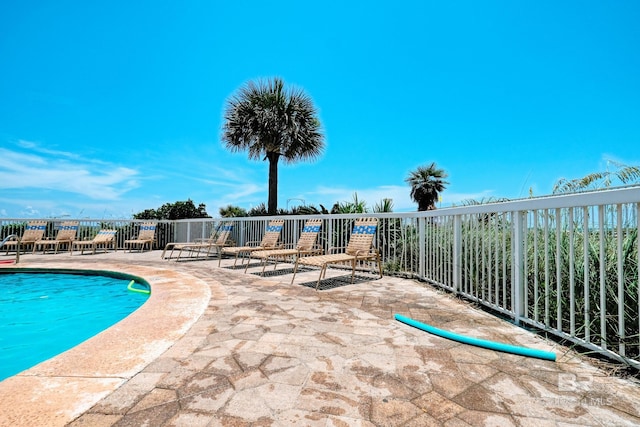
pixel 426 183
pixel 272 123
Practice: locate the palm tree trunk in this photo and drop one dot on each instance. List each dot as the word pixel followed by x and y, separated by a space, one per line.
pixel 272 205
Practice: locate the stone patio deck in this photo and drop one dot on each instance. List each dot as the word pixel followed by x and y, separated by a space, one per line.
pixel 216 347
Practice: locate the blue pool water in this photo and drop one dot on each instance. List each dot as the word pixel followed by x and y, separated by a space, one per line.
pixel 43 314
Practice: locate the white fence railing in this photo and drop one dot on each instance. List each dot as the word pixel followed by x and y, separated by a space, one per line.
pixel 565 264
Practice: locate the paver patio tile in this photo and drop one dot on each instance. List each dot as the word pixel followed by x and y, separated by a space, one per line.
pixel 209 401
pixel 155 416
pixel 437 406
pixel 248 405
pixel 250 378
pixel 95 420
pixel 189 419
pixel 330 402
pixel 155 397
pixel 200 381
pixel 482 419
pixel 393 412
pixel 449 383
pixel 298 417
pixel 478 398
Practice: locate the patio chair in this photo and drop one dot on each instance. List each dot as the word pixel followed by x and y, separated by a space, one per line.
pixel 104 239
pixel 66 235
pixel 269 241
pixel 33 232
pixel 223 239
pixel 360 248
pixel 146 236
pixel 306 246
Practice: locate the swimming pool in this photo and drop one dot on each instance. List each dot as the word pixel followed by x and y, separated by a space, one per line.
pixel 44 313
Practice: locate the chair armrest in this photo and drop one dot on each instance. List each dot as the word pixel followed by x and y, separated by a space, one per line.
pixel 373 252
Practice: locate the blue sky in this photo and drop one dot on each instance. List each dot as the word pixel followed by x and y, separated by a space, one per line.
pixel 110 108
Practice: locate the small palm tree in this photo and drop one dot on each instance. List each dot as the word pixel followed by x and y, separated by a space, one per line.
pixel 384 205
pixel 272 123
pixel 426 183
pixel 230 211
pixel 355 206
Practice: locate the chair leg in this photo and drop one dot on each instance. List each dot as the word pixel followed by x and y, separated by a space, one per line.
pixel 208 251
pixel 323 272
pixel 165 250
pixel 275 262
pixel 295 270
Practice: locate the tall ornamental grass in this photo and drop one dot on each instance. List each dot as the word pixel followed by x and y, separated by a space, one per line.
pixel 579 269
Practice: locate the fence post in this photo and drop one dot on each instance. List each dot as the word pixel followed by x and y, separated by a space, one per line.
pixel 422 248
pixel 518 282
pixel 242 231
pixel 329 240
pixel 457 253
pixel 296 235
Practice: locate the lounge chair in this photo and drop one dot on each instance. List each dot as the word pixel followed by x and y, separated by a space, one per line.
pixel 33 232
pixel 359 248
pixel 223 239
pixel 306 246
pixel 66 235
pixel 104 239
pixel 146 236
pixel 269 241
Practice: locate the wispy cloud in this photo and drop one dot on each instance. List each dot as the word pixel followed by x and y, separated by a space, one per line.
pixel 238 184
pixel 61 171
pixel 36 148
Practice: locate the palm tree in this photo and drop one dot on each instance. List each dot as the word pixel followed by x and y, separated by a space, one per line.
pixel 272 123
pixel 426 183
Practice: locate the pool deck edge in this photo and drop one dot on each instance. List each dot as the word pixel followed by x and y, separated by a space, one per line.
pixel 64 387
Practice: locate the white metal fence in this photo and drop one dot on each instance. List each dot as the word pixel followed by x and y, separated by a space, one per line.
pixel 565 264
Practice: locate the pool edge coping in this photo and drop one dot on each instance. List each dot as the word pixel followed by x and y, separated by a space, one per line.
pixel 83 375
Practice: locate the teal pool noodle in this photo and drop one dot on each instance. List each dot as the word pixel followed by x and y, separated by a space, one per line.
pixel 492 345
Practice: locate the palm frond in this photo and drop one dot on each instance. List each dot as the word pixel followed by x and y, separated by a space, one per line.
pixel 625 174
